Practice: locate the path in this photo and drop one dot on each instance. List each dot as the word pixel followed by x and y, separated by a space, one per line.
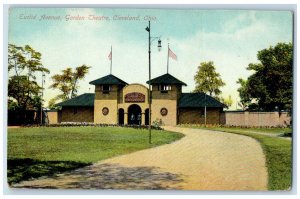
pixel 202 160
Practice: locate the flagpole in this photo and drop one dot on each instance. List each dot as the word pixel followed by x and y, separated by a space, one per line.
pixel 111 60
pixel 168 59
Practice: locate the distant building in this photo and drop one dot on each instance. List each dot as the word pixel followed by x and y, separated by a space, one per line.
pixel 117 102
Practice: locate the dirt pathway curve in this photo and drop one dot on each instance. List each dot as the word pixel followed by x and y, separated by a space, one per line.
pixel 202 160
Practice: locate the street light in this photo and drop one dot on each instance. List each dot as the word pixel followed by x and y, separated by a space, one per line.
pixel 159 45
pixel 148 29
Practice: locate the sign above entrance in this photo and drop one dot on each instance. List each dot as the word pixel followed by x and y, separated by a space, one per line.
pixel 135 97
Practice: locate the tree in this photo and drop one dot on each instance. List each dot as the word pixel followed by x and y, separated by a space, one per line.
pixel 23 91
pixel 270 87
pixel 244 94
pixel 67 82
pixel 23 64
pixel 208 80
pixel 52 104
pixel 227 101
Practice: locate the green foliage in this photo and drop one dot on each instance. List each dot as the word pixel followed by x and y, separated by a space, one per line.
pixel 25 60
pixel 52 104
pixel 24 91
pixel 244 94
pixel 208 80
pixel 67 82
pixel 227 101
pixel 39 151
pixel 271 85
pixel 12 104
pixel 23 64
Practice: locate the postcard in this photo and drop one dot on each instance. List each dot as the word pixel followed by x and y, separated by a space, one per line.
pixel 149 99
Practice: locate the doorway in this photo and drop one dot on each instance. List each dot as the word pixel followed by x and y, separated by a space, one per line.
pixel 121 116
pixel 134 114
pixel 147 116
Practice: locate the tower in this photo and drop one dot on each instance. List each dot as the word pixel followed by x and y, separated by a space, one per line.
pixel 166 90
pixel 108 93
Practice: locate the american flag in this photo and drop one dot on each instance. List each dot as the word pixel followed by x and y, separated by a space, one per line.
pixel 110 56
pixel 172 55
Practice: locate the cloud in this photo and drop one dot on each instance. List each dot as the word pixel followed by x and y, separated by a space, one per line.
pixel 232 48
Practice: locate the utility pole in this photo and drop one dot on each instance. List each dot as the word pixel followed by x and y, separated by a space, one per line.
pixel 149 89
pixel 148 29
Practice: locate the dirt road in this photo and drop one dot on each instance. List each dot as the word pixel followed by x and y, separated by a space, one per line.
pixel 202 160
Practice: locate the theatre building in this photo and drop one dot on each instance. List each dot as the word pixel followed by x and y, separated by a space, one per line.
pixel 117 102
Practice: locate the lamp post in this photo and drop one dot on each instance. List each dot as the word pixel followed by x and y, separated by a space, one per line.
pixel 148 29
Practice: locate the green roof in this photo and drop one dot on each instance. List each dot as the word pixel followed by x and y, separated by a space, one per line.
pixel 86 99
pixel 166 79
pixel 109 79
pixel 196 100
pixel 187 100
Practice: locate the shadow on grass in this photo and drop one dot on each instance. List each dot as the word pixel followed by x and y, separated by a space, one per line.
pixel 110 176
pixel 287 134
pixel 25 169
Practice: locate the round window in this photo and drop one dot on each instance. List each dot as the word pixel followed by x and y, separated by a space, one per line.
pixel 105 111
pixel 164 111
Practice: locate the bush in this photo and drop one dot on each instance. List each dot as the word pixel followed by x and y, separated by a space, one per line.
pixel 82 124
pixel 231 126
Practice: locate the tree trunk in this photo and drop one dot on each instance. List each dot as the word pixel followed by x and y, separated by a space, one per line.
pixel 73 88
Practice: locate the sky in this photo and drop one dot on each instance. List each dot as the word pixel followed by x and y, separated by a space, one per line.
pixel 71 37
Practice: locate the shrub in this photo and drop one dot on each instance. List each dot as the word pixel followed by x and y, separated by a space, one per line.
pixel 83 124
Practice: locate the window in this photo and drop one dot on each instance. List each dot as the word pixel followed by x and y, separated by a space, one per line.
pixel 164 88
pixel 105 89
pixel 164 111
pixel 105 111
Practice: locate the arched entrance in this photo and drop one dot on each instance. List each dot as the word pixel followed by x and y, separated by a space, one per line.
pixel 121 116
pixel 134 114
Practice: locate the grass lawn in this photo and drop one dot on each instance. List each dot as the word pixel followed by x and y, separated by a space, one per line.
pixel 35 152
pixel 278 154
pixel 245 130
pixel 279 131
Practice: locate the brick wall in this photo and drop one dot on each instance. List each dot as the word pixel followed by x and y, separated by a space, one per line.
pixel 196 116
pixel 77 114
pixel 246 118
